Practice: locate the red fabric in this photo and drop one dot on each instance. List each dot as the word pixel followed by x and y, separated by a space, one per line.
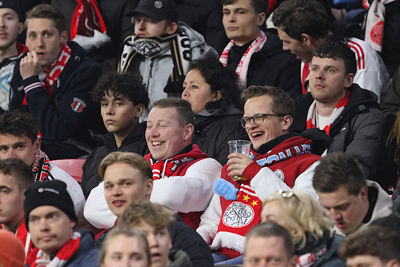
pixel 22 234
pixel 62 256
pixel 177 166
pixel 55 71
pixel 340 106
pixel 21 48
pixel 292 157
pixel 86 19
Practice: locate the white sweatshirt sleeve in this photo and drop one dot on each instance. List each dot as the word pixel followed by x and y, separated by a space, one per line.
pixel 190 192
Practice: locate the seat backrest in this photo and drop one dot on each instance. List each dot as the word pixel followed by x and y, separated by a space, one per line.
pixel 71 166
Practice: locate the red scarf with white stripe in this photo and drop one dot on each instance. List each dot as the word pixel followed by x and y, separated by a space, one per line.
pixel 241 69
pixel 48 79
pixel 37 257
pixel 312 116
pixel 87 25
pixel 174 165
pixel 41 166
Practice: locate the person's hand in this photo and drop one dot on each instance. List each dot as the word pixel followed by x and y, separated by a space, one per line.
pixel 30 65
pixel 237 163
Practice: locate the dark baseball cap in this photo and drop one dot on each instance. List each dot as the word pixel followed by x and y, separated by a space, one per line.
pixel 156 9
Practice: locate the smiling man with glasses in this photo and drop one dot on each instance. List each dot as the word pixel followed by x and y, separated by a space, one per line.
pixel 279 160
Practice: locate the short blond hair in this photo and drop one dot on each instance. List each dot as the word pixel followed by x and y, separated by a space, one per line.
pixel 302 213
pixel 133 159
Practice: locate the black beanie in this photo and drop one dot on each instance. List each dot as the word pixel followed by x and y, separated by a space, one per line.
pixel 48 193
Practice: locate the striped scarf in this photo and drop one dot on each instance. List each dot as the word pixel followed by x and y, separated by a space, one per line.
pixel 241 69
pixel 37 258
pixel 41 167
pixel 312 118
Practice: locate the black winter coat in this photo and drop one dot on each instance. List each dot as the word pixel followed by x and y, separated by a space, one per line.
pixel 357 131
pixel 134 142
pixel 213 131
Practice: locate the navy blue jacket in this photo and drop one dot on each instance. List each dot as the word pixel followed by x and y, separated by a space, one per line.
pixel 57 116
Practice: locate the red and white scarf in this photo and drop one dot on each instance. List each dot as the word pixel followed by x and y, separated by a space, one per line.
pixel 374 27
pixel 172 166
pixel 37 257
pixel 312 116
pixel 23 235
pixel 58 66
pixel 241 69
pixel 41 166
pixel 48 79
pixel 87 25
pixel 308 259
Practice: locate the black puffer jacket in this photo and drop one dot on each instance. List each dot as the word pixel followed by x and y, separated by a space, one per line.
pixel 134 142
pixel 357 131
pixel 275 67
pixel 214 130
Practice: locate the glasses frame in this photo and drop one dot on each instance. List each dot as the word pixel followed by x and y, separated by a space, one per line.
pixel 245 120
pixel 286 194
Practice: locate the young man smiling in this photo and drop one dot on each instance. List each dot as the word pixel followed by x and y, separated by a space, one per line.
pixel 278 160
pixel 123 99
pixel 256 55
pixel 52 82
pixel 128 179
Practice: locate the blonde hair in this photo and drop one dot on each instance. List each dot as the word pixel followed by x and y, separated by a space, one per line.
pixel 302 214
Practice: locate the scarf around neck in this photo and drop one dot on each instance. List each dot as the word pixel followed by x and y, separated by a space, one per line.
pixel 152 47
pixel 312 116
pixel 87 25
pixel 37 257
pixel 41 167
pixel 243 66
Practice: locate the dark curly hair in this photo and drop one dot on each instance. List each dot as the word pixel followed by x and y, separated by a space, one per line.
pixel 127 85
pixel 220 79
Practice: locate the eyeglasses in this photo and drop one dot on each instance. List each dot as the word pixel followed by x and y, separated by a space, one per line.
pixel 286 194
pixel 257 118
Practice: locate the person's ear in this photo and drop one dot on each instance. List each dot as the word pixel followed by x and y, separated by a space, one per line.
pixel 349 79
pixel 261 18
pixel 139 110
pixel 189 130
pixel 306 39
pixel 287 121
pixel 217 96
pixel 64 37
pixel 149 187
pixel 20 27
pixel 36 145
pixel 172 28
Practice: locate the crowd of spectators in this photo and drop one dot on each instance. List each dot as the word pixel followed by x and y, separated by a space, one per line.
pixel 144 96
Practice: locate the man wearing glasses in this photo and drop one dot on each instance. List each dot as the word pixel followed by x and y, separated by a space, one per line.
pixel 279 160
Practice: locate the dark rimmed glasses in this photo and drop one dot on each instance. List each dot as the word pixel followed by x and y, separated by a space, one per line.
pixel 258 118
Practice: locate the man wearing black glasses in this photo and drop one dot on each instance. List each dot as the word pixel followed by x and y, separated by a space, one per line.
pixel 279 160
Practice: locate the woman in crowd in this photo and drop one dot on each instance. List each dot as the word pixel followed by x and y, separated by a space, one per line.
pixel 215 99
pixel 125 247
pixel 315 242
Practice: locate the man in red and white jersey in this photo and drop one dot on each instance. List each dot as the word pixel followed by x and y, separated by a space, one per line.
pixel 279 160
pixel 304 25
